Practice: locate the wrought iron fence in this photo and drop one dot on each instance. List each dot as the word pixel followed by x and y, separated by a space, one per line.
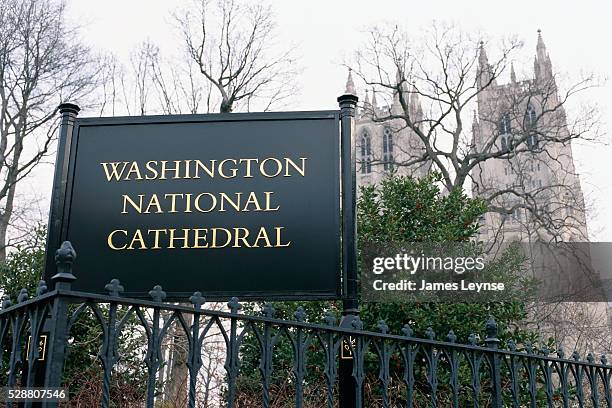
pixel 297 359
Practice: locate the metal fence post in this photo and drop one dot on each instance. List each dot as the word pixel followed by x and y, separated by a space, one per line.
pixel 69 114
pixel 350 305
pixel 492 342
pixel 64 257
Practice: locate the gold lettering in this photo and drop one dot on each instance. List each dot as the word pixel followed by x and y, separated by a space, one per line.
pixel 228 235
pixel 187 164
pixel 114 173
pixel 210 171
pixel 137 207
pixel 134 169
pixel 197 238
pixel 268 195
pixel 252 200
pixel 173 200
pixel 156 237
pixel 184 238
pixel 262 234
pixel 155 203
pixel 262 167
pixel 110 243
pixel 187 202
pixel 237 237
pixel 137 238
pixel 235 205
pixel 248 166
pixel 197 202
pixel 301 170
pixel 176 169
pixel 233 170
pixel 278 238
pixel 149 166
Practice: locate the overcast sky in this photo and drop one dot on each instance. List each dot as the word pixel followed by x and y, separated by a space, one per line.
pixel 576 34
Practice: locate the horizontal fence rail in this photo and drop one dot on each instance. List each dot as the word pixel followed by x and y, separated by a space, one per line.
pixel 294 362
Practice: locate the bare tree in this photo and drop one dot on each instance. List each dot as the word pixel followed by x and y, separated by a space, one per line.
pixel 233 46
pixel 152 84
pixel 521 128
pixel 41 64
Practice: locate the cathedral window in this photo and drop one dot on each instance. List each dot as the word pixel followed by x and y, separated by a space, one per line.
pixel 366 153
pixel 505 127
pixel 505 130
pixel 506 143
pixel 532 140
pixel 530 117
pixel 530 126
pixel 388 148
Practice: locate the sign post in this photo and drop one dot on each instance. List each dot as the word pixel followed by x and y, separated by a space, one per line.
pixel 348 392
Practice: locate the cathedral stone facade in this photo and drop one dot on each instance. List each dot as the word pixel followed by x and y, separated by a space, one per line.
pixel 537 191
pixel 525 121
pixel 386 147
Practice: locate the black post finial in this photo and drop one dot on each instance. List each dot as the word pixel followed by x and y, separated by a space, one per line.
pixel 69 108
pixel 347 103
pixel 64 257
pixel 491 330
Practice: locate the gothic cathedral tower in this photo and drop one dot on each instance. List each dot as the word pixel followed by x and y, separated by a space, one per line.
pixel 533 178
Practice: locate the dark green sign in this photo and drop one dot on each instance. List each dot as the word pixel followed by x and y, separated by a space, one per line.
pixel 231 205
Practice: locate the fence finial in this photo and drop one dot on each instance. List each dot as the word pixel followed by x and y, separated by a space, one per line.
pixel 430 334
pixel 234 305
pixel 491 330
pixel 197 300
pixel 268 310
pixel 300 314
pixel 330 318
pixel 6 302
pixel 357 323
pixel 114 288
pixel 64 257
pixel 23 295
pixel 42 288
pixel 157 294
pixel 382 326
